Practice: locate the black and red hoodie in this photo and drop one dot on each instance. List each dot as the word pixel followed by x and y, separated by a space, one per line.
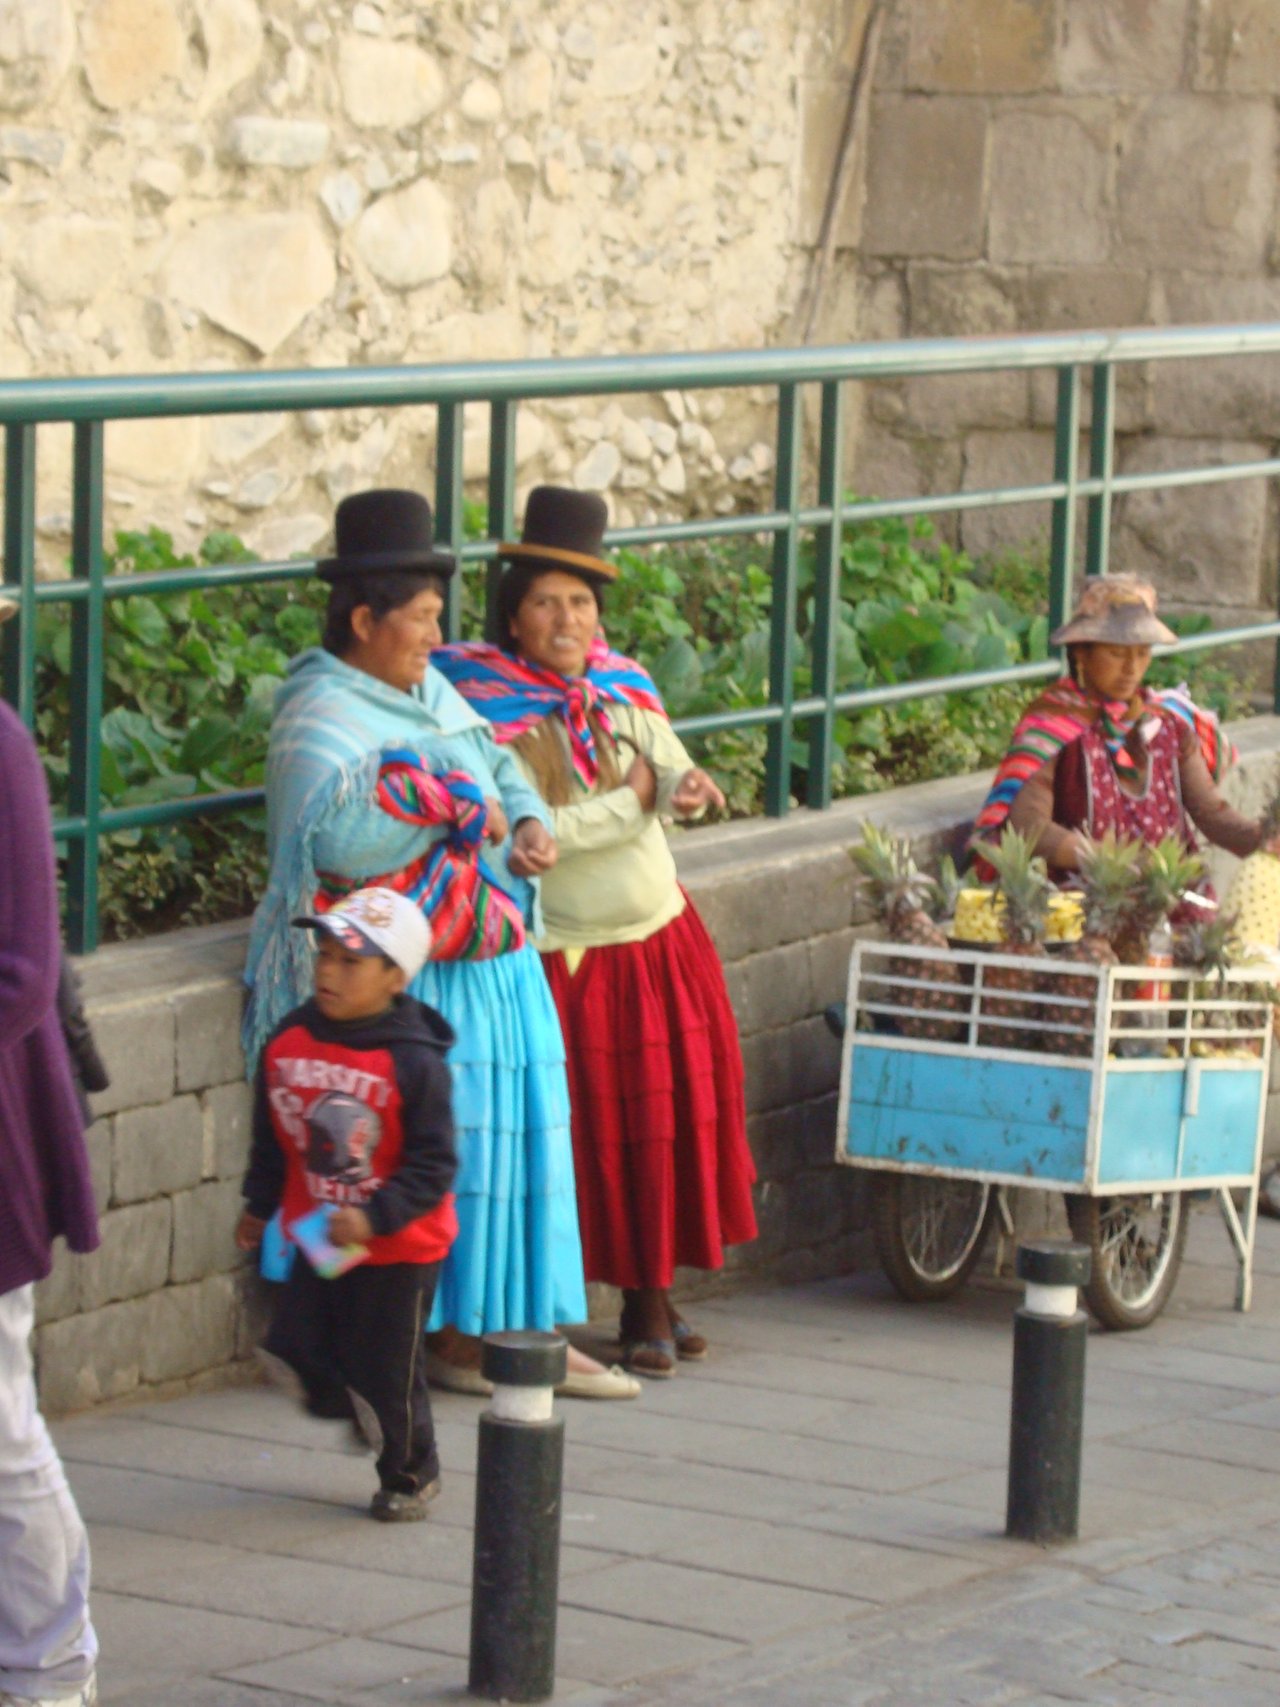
pixel 360 1113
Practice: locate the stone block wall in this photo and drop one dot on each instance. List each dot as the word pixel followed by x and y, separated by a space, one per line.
pixel 195 184
pixel 168 1301
pixel 1063 164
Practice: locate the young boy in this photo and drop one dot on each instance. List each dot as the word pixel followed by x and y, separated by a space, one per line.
pixel 352 1109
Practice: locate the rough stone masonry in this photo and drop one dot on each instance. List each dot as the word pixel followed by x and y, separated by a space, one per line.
pixel 187 184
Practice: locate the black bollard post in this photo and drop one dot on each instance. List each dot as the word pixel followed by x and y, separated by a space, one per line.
pixel 515 1576
pixel 1049 1334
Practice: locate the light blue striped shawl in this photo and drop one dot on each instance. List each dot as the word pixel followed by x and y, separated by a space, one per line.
pixel 332 724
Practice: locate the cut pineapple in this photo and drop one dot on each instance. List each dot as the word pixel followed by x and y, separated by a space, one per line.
pixel 980 916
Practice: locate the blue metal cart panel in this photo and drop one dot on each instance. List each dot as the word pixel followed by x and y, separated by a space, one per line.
pixel 1221 1137
pixel 972 1113
pixel 1141 1119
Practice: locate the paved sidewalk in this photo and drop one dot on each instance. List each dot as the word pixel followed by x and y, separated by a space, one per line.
pixel 810 1519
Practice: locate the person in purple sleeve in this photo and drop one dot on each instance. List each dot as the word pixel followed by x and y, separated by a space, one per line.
pixel 48 1648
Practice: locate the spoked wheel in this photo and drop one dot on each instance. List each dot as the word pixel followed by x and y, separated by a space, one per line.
pixel 929 1231
pixel 1137 1245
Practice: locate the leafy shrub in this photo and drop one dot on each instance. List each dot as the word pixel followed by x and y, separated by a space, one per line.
pixel 190 679
pixel 188 686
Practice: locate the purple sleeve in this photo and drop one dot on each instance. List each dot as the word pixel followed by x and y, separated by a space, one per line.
pixel 29 941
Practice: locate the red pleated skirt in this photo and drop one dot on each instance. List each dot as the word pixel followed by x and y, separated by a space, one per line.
pixel 660 1150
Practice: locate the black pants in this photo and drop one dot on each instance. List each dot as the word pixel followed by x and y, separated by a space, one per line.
pixel 364 1331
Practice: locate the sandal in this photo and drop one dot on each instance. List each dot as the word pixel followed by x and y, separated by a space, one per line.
pixel 654 1358
pixel 691 1347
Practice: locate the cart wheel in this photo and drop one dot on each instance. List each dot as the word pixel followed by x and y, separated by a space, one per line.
pixel 929 1231
pixel 1137 1245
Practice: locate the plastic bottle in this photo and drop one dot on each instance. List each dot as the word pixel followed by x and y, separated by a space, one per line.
pixel 1155 991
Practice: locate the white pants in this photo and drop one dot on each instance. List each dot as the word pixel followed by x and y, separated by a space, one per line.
pixel 47 1644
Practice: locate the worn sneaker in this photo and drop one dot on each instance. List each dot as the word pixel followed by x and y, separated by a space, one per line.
pixel 391 1507
pixel 85 1696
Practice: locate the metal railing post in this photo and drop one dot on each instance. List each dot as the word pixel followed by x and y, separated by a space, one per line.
pixel 449 512
pixel 1066 458
pixel 18 639
pixel 88 647
pixel 1102 456
pixel 502 494
pixel 826 594
pixel 782 615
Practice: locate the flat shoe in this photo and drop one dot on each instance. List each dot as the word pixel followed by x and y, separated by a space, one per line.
pixel 655 1359
pixel 690 1346
pixel 455 1377
pixel 613 1383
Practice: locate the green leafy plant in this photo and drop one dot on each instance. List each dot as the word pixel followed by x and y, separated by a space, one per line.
pixel 190 679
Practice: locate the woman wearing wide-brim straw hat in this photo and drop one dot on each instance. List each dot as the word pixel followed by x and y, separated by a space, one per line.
pixel 1098 751
pixel 655 1070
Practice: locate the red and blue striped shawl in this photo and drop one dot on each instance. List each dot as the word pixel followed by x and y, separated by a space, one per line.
pixel 515 695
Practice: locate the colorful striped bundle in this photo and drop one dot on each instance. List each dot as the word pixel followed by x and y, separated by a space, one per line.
pixel 471 916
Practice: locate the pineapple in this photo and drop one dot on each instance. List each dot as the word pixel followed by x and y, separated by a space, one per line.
pixel 1170 868
pixel 944 890
pixel 1023 885
pixel 1110 873
pixel 1207 946
pixel 901 893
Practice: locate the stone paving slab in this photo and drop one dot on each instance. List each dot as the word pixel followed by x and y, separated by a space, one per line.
pixel 811 1519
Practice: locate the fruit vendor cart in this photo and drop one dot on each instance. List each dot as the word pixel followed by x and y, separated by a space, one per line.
pixel 966 1073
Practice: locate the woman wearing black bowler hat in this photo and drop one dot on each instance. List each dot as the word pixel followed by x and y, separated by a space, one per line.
pixel 378 772
pixel 655 1071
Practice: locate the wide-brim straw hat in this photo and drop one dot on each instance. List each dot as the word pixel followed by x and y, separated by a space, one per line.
pixel 563 529
pixel 384 529
pixel 1115 610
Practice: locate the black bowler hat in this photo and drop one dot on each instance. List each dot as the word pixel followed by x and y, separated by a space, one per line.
pixel 384 529
pixel 563 529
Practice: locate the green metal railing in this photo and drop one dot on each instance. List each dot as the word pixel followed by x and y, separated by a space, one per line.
pixel 91 404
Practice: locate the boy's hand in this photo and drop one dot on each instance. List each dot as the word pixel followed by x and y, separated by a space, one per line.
pixel 249 1231
pixel 350 1227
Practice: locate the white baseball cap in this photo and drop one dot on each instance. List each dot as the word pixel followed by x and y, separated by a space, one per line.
pixel 377 921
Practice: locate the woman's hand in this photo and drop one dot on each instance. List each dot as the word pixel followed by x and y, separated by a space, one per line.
pixel 496 829
pixel 693 792
pixel 249 1231
pixel 642 777
pixel 533 849
pixel 349 1227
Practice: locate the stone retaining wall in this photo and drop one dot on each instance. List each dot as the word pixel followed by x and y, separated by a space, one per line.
pixel 169 1300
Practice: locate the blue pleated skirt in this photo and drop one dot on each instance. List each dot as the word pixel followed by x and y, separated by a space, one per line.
pixel 517 1260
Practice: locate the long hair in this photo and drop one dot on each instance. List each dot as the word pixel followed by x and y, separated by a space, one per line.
pixel 383 590
pixel 546 752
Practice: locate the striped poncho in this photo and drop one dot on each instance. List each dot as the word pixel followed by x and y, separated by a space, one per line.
pixel 1063 712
